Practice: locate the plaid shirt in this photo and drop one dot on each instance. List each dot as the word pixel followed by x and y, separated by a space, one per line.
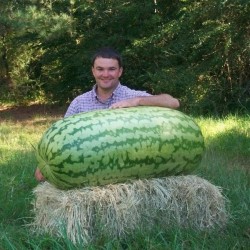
pixel 90 101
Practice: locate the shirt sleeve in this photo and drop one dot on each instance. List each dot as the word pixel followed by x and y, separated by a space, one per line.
pixel 72 109
pixel 137 93
pixel 125 93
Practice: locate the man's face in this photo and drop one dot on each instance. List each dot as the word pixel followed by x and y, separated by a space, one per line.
pixel 107 73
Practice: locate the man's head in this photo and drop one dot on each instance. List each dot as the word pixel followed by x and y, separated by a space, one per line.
pixel 107 69
pixel 107 52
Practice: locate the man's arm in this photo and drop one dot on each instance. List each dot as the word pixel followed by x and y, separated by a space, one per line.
pixel 163 100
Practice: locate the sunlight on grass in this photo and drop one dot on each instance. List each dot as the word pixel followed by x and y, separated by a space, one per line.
pixel 212 127
pixel 231 134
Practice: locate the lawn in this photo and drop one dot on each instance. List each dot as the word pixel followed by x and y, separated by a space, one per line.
pixel 226 163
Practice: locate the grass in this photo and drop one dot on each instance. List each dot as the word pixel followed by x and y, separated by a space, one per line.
pixel 225 164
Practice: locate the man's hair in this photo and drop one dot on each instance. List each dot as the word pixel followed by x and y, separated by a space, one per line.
pixel 107 52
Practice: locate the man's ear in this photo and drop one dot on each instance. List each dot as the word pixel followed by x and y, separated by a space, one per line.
pixel 121 71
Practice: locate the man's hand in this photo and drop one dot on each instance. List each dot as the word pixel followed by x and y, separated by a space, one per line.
pixel 133 102
pixel 38 175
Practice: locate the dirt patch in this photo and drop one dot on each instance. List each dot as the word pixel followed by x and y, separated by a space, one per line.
pixel 27 113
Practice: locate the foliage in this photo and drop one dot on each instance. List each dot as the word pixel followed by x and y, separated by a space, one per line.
pixel 197 51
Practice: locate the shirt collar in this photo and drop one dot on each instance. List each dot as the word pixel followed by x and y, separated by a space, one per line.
pixel 115 92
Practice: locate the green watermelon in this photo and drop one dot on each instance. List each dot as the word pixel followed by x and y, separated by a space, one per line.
pixel 116 145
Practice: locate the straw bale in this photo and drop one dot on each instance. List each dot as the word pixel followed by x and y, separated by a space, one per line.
pixel 116 210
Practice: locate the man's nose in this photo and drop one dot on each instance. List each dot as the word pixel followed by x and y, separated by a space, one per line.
pixel 105 72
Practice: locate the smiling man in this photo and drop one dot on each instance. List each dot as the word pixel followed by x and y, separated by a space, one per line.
pixel 108 92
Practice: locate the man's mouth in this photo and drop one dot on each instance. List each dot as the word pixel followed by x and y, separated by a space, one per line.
pixel 106 80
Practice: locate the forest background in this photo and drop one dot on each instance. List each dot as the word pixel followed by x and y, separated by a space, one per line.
pixel 198 51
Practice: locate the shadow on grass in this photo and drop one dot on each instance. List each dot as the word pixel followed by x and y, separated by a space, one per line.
pixel 232 141
pixel 27 113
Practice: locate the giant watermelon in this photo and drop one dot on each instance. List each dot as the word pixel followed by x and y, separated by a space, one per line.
pixel 116 145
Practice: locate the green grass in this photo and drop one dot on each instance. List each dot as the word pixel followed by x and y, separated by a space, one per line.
pixel 226 164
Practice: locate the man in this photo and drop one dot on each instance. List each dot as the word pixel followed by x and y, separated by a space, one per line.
pixel 109 93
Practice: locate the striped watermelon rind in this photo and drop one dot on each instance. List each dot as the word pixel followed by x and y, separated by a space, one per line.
pixel 116 145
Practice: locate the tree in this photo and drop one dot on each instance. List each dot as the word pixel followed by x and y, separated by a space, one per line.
pixel 195 50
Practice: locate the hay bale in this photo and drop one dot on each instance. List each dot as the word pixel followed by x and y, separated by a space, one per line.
pixel 116 210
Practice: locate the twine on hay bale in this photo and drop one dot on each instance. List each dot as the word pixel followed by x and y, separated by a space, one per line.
pixel 83 214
